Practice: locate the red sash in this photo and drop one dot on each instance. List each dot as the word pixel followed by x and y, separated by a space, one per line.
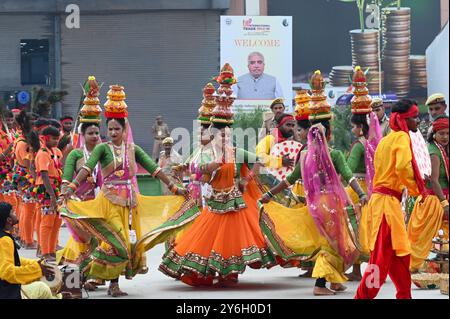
pixel 387 191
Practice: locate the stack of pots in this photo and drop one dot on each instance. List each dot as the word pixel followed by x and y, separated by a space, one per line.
pixel 396 49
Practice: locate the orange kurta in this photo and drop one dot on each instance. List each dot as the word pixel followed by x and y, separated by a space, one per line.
pixel 393 170
pixel 45 162
pixel 50 220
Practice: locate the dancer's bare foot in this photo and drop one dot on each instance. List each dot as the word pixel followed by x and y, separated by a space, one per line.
pixel 90 286
pixel 143 270
pixel 354 276
pixel 337 287
pixel 96 282
pixel 114 290
pixel 307 274
pixel 319 291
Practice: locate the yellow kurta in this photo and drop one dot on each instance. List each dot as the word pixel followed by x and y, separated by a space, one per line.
pixel 263 152
pixel 393 170
pixel 28 271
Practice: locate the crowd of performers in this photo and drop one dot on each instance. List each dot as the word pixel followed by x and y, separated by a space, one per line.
pixel 293 202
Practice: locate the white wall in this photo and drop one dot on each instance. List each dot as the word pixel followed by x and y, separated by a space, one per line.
pixel 437 65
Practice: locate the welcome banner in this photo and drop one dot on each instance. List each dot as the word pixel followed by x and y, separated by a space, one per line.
pixel 259 48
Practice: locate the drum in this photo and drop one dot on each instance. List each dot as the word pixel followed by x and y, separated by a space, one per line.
pixel 421 154
pixel 289 148
pixel 55 282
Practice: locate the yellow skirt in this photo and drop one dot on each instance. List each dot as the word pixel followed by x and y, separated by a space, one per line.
pixel 73 253
pixel 154 220
pixel 298 191
pixel 362 225
pixel 297 230
pixel 424 224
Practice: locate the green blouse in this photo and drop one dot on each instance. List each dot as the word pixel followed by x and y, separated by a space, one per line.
pixel 356 160
pixel 339 163
pixel 434 150
pixel 70 166
pixel 102 153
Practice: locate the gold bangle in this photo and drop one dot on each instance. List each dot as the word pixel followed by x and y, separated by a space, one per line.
pixel 444 203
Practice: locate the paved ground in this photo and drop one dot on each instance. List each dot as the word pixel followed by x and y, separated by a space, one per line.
pixel 276 283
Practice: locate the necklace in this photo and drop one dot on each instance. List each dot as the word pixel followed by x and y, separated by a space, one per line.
pixel 119 151
pixel 93 177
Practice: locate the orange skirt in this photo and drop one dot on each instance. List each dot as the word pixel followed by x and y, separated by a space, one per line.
pixel 219 246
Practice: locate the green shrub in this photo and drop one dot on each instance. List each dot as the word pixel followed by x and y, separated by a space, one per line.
pixel 245 120
pixel 341 128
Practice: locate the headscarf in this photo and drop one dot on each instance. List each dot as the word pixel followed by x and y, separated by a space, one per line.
pixel 276 131
pixel 440 124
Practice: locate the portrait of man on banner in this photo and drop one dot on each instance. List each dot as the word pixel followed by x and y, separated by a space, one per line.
pixel 256 84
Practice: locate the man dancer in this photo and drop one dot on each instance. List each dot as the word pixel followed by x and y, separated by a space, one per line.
pixel 283 131
pixel 395 169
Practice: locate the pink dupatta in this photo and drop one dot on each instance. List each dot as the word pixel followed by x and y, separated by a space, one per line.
pixel 326 197
pixel 374 137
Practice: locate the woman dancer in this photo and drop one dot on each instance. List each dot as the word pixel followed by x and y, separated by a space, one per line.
pixel 431 214
pixel 120 217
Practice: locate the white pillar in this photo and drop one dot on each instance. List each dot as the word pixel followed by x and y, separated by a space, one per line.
pixel 252 8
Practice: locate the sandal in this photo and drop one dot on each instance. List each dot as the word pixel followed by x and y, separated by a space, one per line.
pixel 114 291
